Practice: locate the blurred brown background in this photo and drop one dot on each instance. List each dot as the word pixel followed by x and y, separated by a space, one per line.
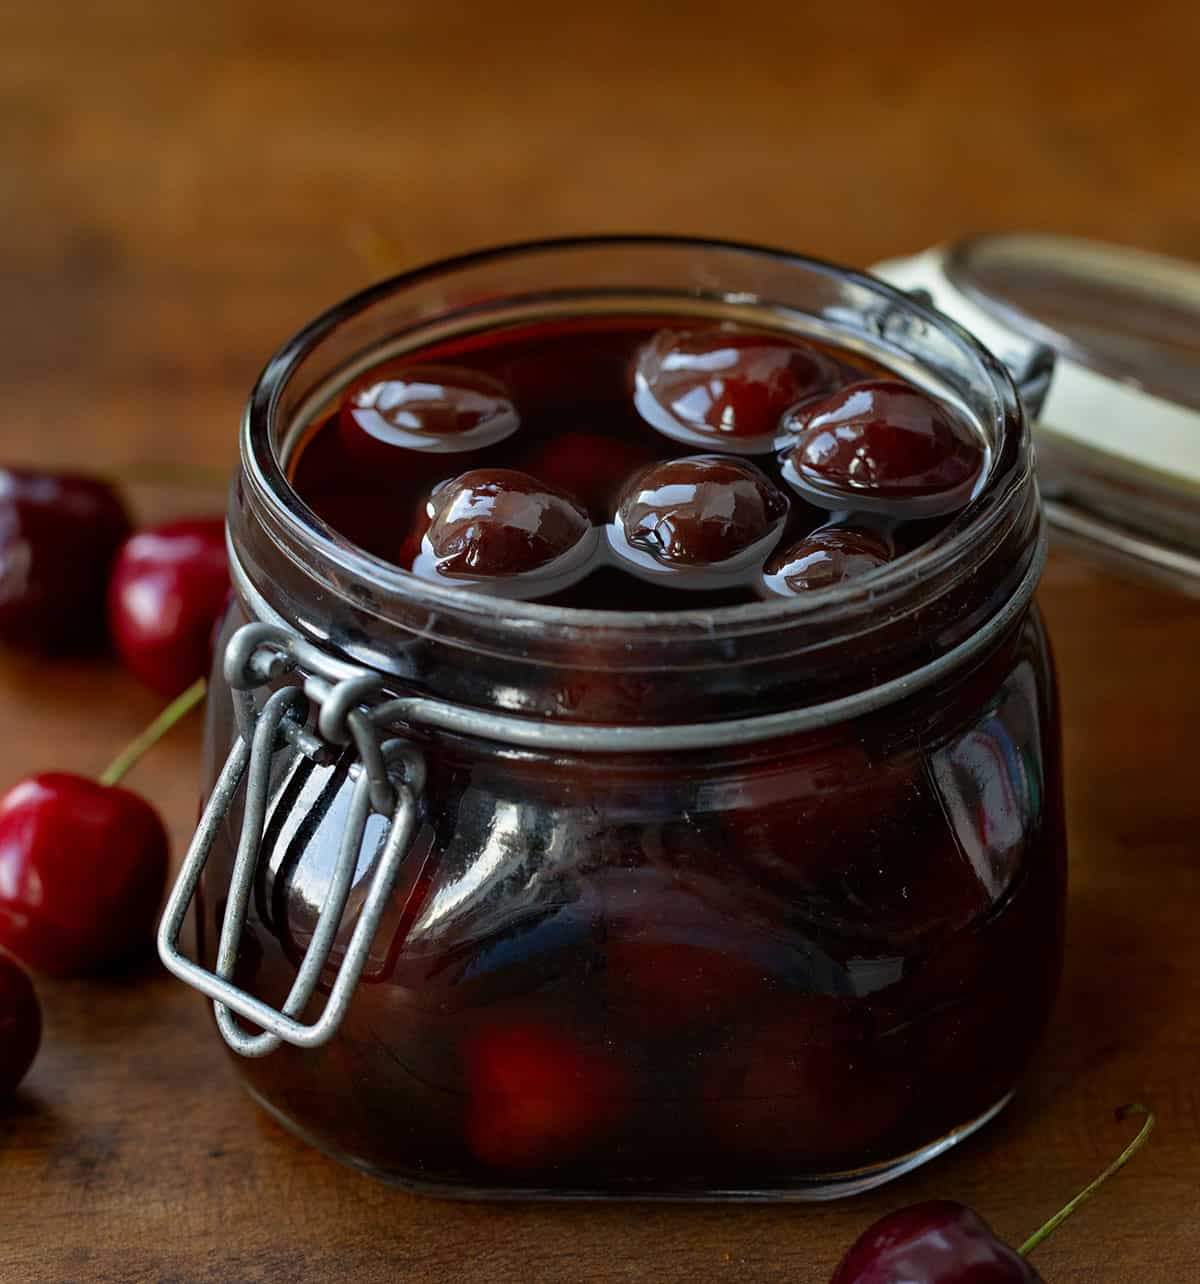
pixel 182 185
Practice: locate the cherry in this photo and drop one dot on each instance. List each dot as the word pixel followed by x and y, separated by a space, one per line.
pixel 168 588
pixel 881 445
pixel 937 1242
pixel 806 1086
pixel 82 868
pixel 701 520
pixel 700 954
pixel 536 1095
pixel 432 408
pixel 83 862
pixel 731 387
pixel 589 465
pixel 59 534
pixel 20 1025
pixel 504 531
pixel 941 1242
pixel 825 557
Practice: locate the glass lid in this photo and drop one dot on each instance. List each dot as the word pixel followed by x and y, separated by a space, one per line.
pixel 1104 342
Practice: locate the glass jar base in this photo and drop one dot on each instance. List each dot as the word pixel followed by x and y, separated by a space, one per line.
pixel 814 1190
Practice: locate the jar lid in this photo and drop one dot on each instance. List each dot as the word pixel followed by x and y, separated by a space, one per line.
pixel 1104 343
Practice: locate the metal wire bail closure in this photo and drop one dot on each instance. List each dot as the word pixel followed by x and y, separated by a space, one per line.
pixel 355 707
pixel 390 780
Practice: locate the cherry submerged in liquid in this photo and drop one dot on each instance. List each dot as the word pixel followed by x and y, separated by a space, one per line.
pixel 635 463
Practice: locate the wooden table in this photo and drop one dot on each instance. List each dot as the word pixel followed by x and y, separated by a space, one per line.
pixel 182 185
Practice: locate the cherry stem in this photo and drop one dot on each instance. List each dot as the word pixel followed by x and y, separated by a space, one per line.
pixel 179 708
pixel 1089 1190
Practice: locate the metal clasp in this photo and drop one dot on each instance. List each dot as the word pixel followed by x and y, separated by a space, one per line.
pixel 389 780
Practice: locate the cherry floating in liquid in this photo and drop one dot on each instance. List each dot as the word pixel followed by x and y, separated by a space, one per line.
pixel 942 1242
pixel 20 1025
pixel 83 862
pixel 536 1095
pixel 726 388
pixel 168 587
pixel 432 408
pixel 702 521
pixel 589 465
pixel 882 446
pixel 825 557
pixel 502 531
pixel 59 534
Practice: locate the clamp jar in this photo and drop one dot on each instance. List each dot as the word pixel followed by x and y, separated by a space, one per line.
pixel 511 899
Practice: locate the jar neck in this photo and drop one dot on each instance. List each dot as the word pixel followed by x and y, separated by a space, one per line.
pixel 634 668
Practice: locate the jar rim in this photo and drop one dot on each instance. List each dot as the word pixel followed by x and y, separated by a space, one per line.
pixel 285 511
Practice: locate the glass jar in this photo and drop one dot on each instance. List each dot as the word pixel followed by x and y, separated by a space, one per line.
pixel 761 901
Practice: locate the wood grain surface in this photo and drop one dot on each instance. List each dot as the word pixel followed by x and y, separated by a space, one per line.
pixel 182 185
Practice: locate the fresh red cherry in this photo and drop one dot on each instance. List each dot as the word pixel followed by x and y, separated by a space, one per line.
pixel 82 867
pixel 503 531
pixel 425 407
pixel 168 587
pixel 938 1242
pixel 59 534
pixel 882 445
pixel 537 1095
pixel 588 465
pixel 825 557
pixel 727 387
pixel 20 1025
pixel 701 519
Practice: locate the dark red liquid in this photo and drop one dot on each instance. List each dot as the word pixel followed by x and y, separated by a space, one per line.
pixel 742 969
pixel 582 408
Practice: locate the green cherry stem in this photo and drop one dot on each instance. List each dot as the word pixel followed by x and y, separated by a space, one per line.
pixel 179 708
pixel 1089 1190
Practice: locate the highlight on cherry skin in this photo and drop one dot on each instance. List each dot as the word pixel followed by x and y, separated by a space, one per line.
pixel 723 388
pixel 59 534
pixel 168 587
pixel 497 528
pixel 20 1025
pixel 881 446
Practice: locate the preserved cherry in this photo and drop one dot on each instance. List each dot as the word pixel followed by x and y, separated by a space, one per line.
pixel 427 408
pixel 590 465
pixel 882 445
pixel 699 519
pixel 536 1094
pixel 553 405
pixel 826 557
pixel 497 526
pixel 725 389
